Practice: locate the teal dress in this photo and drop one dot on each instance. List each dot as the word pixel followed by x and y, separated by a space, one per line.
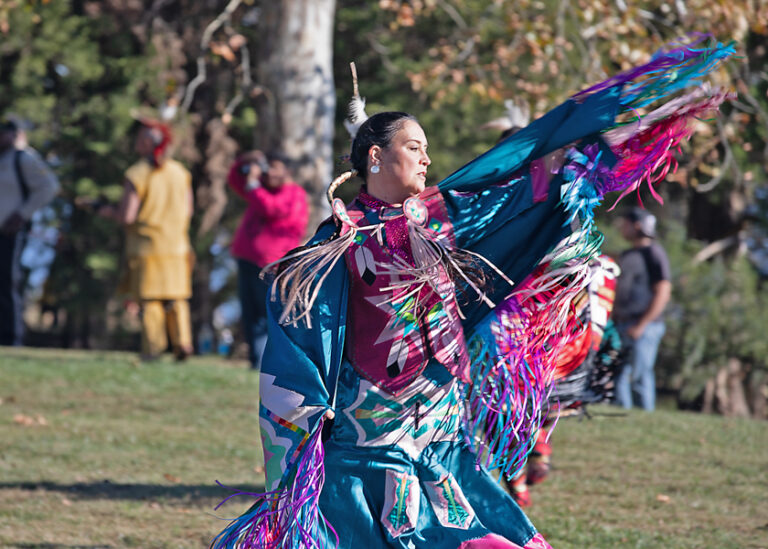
pixel 400 474
pixel 367 461
pixel 398 471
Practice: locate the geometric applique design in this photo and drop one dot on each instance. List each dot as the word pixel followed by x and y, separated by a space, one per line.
pixel 435 225
pixel 396 323
pixel 449 503
pixel 396 358
pixel 275 450
pixel 422 414
pixel 402 498
pixel 282 442
pixel 286 403
pixel 365 264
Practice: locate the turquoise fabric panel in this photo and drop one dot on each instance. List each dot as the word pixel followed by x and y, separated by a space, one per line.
pixel 478 214
pixel 349 387
pixel 490 200
pixel 565 124
pixel 355 487
pixel 356 484
pixel 515 244
pixel 307 361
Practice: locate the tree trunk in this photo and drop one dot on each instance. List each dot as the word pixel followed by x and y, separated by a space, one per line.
pixel 296 114
pixel 220 152
pixel 757 394
pixel 737 397
pixel 725 392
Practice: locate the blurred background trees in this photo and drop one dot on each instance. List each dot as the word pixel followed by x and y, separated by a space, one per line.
pixel 239 74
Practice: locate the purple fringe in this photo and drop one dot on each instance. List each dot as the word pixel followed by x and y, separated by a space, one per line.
pixel 288 517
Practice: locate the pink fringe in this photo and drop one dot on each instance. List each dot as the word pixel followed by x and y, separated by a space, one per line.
pixel 649 155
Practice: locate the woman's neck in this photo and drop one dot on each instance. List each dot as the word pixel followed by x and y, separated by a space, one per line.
pixel 386 194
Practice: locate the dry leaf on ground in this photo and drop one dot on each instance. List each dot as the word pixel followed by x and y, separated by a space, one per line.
pixel 29 421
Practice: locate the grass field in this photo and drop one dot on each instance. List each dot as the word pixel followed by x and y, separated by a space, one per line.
pixel 98 450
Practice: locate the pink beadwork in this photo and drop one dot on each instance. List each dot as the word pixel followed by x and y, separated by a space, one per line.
pixel 402 329
pixel 395 229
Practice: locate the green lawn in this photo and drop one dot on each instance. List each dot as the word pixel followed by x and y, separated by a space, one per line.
pixel 98 450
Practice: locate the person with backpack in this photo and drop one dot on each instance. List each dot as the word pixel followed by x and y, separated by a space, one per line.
pixel 26 185
pixel 642 292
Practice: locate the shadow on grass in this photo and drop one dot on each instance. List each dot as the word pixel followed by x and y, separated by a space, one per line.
pixel 110 490
pixel 58 546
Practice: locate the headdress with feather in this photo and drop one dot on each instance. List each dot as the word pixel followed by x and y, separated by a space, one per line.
pixel 515 117
pixel 357 114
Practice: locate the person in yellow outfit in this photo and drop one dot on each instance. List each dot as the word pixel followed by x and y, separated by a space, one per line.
pixel 155 208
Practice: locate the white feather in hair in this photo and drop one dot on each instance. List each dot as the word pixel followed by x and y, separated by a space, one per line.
pixel 356 115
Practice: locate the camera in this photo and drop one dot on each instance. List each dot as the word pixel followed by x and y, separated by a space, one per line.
pixel 245 167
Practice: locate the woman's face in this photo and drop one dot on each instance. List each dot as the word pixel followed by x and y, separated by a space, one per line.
pixel 402 165
pixel 277 174
pixel 144 145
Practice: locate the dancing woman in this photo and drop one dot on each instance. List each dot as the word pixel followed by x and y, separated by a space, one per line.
pixel 413 342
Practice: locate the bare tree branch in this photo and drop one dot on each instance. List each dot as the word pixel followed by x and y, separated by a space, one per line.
pixel 246 82
pixel 715 181
pixel 205 43
pixel 462 24
pixel 716 247
pixel 560 22
pixel 744 92
pixel 152 12
pixel 727 163
pixel 742 107
pixel 578 38
pixel 383 51
pixel 453 14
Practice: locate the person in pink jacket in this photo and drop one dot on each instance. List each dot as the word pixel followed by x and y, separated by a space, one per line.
pixel 274 222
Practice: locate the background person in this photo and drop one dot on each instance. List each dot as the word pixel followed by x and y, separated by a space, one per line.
pixel 642 292
pixel 26 184
pixel 273 223
pixel 155 208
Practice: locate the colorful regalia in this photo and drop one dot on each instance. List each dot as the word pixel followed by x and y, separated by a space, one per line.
pixel 583 378
pixel 435 379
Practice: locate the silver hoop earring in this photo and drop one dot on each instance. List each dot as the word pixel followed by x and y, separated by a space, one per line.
pixel 375 168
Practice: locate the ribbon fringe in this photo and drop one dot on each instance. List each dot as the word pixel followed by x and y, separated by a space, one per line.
pixel 299 276
pixel 508 402
pixel 668 71
pixel 288 517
